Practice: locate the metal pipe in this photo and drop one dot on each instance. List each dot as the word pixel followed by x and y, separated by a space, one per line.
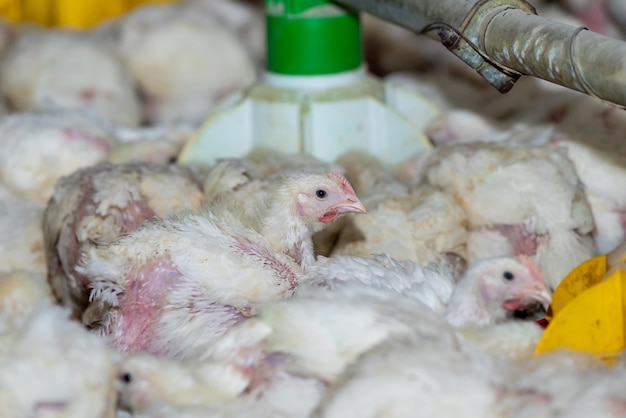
pixel 579 59
pixel 414 14
pixel 503 39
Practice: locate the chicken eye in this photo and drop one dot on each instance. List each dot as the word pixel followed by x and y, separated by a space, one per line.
pixel 508 275
pixel 321 193
pixel 126 377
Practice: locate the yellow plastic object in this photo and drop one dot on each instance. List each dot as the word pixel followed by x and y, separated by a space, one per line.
pixel 583 277
pixel 77 14
pixel 588 312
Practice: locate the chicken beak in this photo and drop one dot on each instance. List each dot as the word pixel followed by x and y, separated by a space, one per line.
pixel 541 295
pixel 538 293
pixel 351 205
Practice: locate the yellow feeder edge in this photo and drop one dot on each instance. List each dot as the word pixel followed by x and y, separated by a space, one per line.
pixel 589 313
pixel 75 14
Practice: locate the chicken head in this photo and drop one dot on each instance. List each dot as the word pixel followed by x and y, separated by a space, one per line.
pixel 495 289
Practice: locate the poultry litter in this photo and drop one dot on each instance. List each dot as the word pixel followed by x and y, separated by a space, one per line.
pixel 133 286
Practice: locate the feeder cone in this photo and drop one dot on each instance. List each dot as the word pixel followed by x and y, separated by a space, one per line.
pixel 315 97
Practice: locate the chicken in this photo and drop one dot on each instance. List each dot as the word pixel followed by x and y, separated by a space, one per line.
pixel 206 271
pixel 437 377
pixel 96 205
pixel 270 391
pixel 53 367
pixel 306 342
pixel 513 208
pixel 234 182
pixel 565 384
pixel 243 19
pixel 145 380
pixel 37 148
pixel 602 173
pixel 421 224
pixel 590 132
pixel 181 84
pixel 298 349
pixel 271 193
pixel 491 290
pixel 247 184
pixel 45 69
pixel 458 126
pixel 426 225
pixel 22 243
pixel 496 288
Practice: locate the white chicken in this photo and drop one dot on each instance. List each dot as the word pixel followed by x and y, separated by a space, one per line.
pixel 245 186
pixel 492 288
pixel 311 342
pixel 181 83
pixel 518 200
pixel 243 18
pixel 145 381
pixel 53 367
pixel 37 148
pixel 490 292
pixel 96 205
pixel 208 272
pixel 44 69
pixel 591 132
pixel 426 225
pixel 422 224
pixel 434 376
pixel 565 384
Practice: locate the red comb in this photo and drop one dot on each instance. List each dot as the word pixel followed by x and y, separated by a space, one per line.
pixel 532 267
pixel 347 187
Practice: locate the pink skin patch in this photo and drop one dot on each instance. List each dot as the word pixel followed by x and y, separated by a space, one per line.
pixel 522 241
pixel 141 303
pixel 132 216
pixel 72 134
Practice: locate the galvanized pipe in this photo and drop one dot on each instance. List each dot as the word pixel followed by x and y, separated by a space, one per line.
pixel 578 59
pixel 415 14
pixel 503 39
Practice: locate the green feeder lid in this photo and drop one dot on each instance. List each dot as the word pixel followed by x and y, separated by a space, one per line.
pixel 312 37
